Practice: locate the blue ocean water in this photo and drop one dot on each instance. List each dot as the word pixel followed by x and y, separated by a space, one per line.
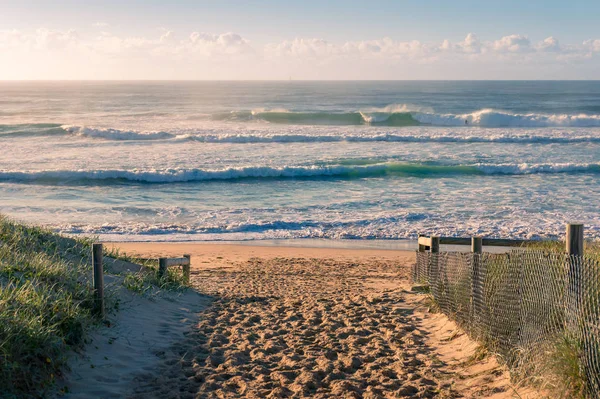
pixel 270 160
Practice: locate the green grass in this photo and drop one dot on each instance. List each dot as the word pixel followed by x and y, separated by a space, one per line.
pixel 562 368
pixel 591 249
pixel 538 283
pixel 147 280
pixel 46 303
pixel 45 306
pixel 565 363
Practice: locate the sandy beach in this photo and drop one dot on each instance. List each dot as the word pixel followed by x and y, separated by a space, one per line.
pixel 313 322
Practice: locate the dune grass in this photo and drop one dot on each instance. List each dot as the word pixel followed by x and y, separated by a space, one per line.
pixel 564 369
pixel 45 306
pixel 591 249
pixel 147 280
pixel 46 303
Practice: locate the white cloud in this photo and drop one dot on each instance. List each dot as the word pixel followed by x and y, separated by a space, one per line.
pixel 166 36
pixel 549 44
pixel 388 47
pixel 214 44
pixel 471 44
pixel 446 45
pixel 364 49
pixel 513 44
pixel 101 24
pixel 40 40
pixel 184 55
pixel 592 45
pixel 309 48
pixel 11 38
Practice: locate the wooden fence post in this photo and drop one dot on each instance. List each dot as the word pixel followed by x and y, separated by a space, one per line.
pixel 476 245
pixel 98 280
pixel 434 265
pixel 435 244
pixel 574 248
pixel 422 248
pixel 162 267
pixel 574 241
pixel 186 268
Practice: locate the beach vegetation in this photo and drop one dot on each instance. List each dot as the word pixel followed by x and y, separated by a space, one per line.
pixel 46 302
pixel 147 280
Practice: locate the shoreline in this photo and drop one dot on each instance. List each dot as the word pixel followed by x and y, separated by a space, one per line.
pixel 209 255
pixel 285 248
pixel 393 245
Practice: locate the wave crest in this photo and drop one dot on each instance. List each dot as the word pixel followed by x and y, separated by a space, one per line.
pixel 287 172
pixel 404 115
pixel 493 118
pixel 209 136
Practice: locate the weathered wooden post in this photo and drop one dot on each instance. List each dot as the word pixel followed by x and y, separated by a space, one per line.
pixel 162 267
pixel 98 280
pixel 422 248
pixel 574 248
pixel 476 245
pixel 417 274
pixel 186 268
pixel 435 244
pixel 434 267
pixel 574 241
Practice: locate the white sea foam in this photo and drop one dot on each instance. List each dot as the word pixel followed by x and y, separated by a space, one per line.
pixel 343 171
pixel 494 118
pixel 287 161
pixel 116 134
pixel 403 226
pixel 338 134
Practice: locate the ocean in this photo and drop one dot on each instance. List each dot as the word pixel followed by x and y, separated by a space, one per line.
pixel 182 161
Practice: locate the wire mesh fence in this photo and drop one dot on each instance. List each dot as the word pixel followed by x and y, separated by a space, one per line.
pixel 521 303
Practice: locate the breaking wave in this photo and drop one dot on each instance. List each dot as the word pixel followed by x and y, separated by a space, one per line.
pixel 493 118
pixel 223 136
pixel 322 118
pixel 402 115
pixel 345 171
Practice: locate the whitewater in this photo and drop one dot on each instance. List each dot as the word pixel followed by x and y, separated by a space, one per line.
pixel 270 160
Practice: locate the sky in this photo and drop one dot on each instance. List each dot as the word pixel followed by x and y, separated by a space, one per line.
pixel 247 40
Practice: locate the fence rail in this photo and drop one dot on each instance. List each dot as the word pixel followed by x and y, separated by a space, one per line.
pixel 522 302
pixel 98 274
pixel 496 242
pixel 184 262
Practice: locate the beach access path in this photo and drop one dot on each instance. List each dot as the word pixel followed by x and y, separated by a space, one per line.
pixel 281 322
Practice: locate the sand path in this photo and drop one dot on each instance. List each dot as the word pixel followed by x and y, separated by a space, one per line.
pixel 320 328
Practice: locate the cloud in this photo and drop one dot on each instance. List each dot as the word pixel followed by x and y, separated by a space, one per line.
pixel 512 44
pixel 302 48
pixel 207 44
pixel 221 53
pixel 364 49
pixel 101 25
pixel 230 43
pixel 592 45
pixel 389 48
pixel 549 44
pixel 471 44
pixel 197 44
pixel 40 39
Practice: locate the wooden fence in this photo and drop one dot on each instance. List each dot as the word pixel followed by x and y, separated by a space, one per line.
pixel 184 262
pixel 98 274
pixel 573 238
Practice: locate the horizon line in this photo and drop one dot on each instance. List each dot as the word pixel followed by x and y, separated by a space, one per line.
pixel 298 80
